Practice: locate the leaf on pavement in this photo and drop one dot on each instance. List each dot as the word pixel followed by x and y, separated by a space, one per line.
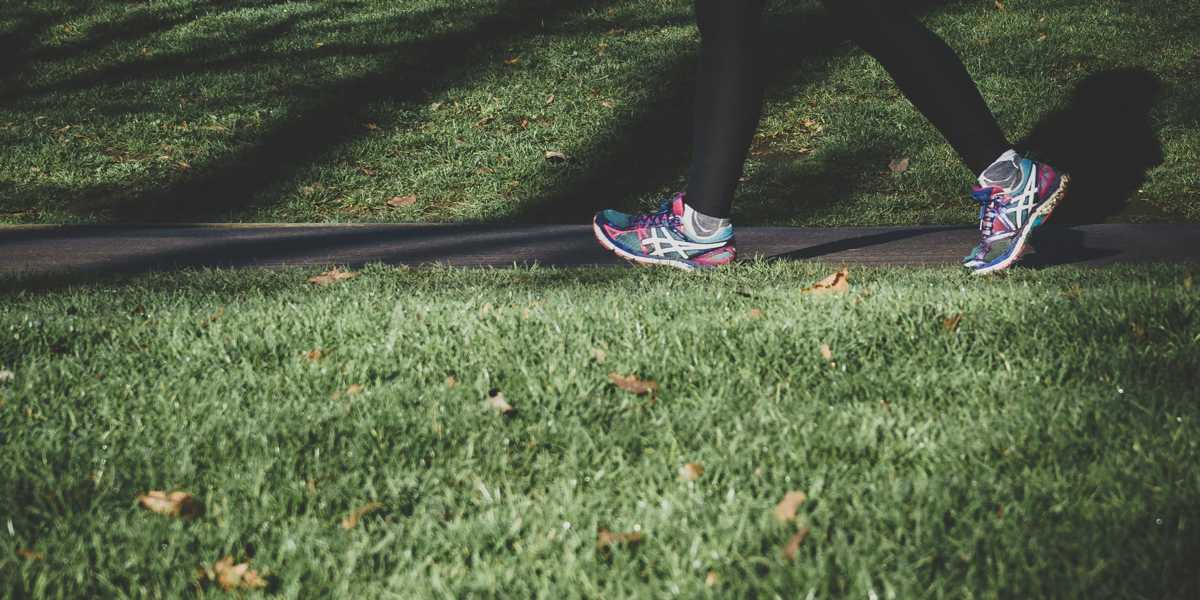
pixel 786 509
pixel 633 385
pixel 793 546
pixel 235 577
pixel 331 276
pixel 899 165
pixel 174 504
pixel 950 324
pixel 497 402
pixel 838 283
pixel 691 471
pixel 402 201
pixel 350 521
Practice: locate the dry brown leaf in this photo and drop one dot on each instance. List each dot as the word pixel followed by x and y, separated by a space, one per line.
pixel 372 126
pixel 599 355
pixel 899 165
pixel 402 201
pixel 756 313
pixel 606 539
pixel 350 521
pixel 793 546
pixel 711 579
pixel 174 504
pixel 550 100
pixel 950 324
pixel 512 61
pixel 556 156
pixel 633 385
pixel 1138 331
pixel 691 471
pixel 838 283
pixel 496 401
pixel 331 276
pixel 608 104
pixel 28 554
pixel 451 381
pixel 7 376
pixel 314 355
pixel 236 577
pixel 826 352
pixel 355 389
pixel 1042 37
pixel 1000 5
pixel 786 509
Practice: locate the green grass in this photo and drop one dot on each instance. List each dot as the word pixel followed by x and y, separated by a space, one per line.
pixel 322 111
pixel 1046 448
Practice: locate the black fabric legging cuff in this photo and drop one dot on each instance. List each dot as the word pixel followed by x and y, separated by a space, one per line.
pixel 730 85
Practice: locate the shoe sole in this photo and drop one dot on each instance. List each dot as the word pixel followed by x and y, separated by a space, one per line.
pixel 1037 219
pixel 641 261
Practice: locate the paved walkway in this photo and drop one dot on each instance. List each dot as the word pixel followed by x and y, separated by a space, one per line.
pixel 93 249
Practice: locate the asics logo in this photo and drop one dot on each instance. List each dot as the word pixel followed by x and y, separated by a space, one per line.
pixel 659 242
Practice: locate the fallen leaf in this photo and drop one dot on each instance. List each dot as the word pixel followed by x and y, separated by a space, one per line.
pixel 28 554
pixel 899 166
pixel 1000 5
pixel 838 283
pixel 756 313
pixel 451 381
pixel 7 376
pixel 496 400
pixel 1042 37
pixel 606 539
pixel 786 509
pixel 314 355
pixel 556 156
pixel 793 546
pixel 333 275
pixel 515 60
pixel 711 579
pixel 355 389
pixel 402 201
pixel 350 521
pixel 236 577
pixel 1138 331
pixel 524 124
pixel 950 324
pixel 435 106
pixel 599 355
pixel 608 104
pixel 999 511
pixel 691 471
pixel 826 352
pixel 550 100
pixel 174 504
pixel 631 384
pixel 372 127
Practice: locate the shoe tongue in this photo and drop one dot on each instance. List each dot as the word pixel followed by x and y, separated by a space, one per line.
pixel 677 205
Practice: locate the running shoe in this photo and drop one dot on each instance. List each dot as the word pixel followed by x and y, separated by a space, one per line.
pixel 657 238
pixel 1007 219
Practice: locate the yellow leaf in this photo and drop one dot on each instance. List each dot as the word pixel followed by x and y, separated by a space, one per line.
pixel 606 539
pixel 786 509
pixel 236 577
pixel 691 471
pixel 950 324
pixel 826 352
pixel 351 520
pixel 838 283
pixel 711 579
pixel 331 276
pixel 174 504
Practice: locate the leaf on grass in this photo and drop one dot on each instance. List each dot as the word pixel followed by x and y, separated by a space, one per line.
pixel 1000 6
pixel 599 355
pixel 402 201
pixel 174 504
pixel 711 579
pixel 608 104
pixel 28 554
pixel 756 313
pixel 451 381
pixel 899 165
pixel 235 577
pixel 838 283
pixel 556 156
pixel 350 521
pixel 550 100
pixel 7 376
pixel 793 546
pixel 371 126
pixel 826 352
pixel 332 276
pixel 314 355
pixel 691 471
pixel 606 539
pixel 633 385
pixel 950 324
pixel 496 401
pixel 1138 331
pixel 515 60
pixel 786 509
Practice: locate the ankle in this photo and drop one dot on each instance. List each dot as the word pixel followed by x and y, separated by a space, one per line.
pixel 700 227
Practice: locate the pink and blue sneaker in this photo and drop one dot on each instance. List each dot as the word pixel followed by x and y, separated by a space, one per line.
pixel 1008 217
pixel 657 238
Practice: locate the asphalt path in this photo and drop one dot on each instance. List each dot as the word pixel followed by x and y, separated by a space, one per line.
pixel 43 250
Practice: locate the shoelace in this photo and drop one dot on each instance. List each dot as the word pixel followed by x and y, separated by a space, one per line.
pixel 664 216
pixel 989 207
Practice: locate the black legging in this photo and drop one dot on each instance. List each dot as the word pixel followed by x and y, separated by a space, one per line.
pixel 729 97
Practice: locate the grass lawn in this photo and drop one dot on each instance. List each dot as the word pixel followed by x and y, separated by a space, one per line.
pixel 1043 444
pixel 182 110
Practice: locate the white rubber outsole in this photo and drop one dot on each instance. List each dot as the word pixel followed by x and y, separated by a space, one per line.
pixel 1043 212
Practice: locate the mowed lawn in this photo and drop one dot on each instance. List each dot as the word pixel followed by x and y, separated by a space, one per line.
pixel 1032 435
pixel 182 110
